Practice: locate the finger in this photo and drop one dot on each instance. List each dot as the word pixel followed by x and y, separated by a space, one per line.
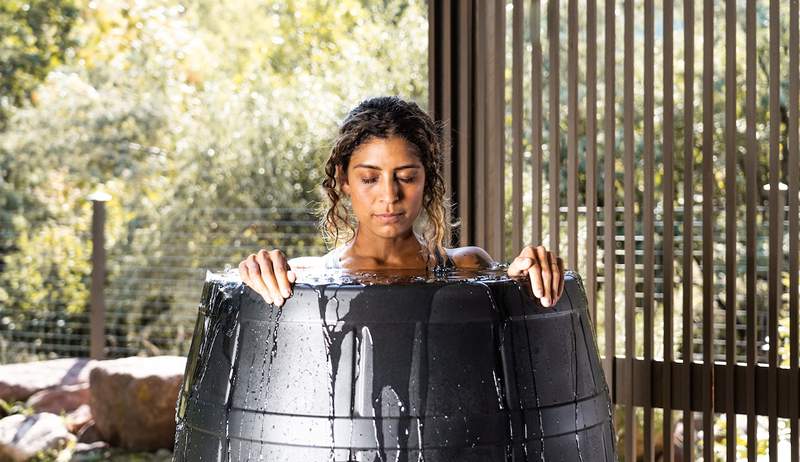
pixel 547 275
pixel 291 275
pixel 255 280
pixel 268 276
pixel 519 266
pixel 279 267
pixel 556 272
pixel 244 275
pixel 535 274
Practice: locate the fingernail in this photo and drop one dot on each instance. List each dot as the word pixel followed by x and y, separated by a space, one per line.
pixel 545 301
pixel 278 301
pixel 286 293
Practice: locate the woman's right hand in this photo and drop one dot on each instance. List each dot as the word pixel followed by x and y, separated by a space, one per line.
pixel 268 273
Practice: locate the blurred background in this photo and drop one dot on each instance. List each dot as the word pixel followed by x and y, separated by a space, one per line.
pixel 193 134
pixel 205 124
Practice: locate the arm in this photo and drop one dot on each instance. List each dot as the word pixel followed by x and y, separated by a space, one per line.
pixel 472 257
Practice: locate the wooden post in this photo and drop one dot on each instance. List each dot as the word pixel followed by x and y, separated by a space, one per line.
pixel 97 294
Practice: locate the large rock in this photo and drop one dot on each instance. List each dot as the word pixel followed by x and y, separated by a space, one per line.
pixel 19 381
pixel 79 418
pixel 61 398
pixel 21 437
pixel 133 400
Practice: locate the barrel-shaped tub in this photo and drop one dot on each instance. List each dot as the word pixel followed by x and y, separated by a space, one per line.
pixel 444 369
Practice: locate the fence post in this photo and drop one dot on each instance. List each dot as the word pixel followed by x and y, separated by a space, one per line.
pixel 97 322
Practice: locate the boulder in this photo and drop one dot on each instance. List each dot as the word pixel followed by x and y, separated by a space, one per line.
pixel 19 381
pixel 61 398
pixel 78 418
pixel 88 433
pixel 21 436
pixel 133 400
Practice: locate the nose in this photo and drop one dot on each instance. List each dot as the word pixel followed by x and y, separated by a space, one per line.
pixel 390 190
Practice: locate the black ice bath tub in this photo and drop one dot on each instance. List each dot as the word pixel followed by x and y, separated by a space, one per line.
pixel 445 369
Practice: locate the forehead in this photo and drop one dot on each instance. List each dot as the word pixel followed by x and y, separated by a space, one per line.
pixel 385 153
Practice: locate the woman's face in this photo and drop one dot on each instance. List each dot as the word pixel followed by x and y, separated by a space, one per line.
pixel 385 182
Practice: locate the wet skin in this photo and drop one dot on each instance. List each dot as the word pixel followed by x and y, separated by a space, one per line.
pixel 385 183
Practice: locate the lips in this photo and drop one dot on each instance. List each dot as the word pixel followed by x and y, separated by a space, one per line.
pixel 388 217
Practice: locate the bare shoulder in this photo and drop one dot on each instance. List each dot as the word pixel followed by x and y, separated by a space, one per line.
pixel 470 257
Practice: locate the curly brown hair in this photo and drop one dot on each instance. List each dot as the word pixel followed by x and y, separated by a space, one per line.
pixel 384 117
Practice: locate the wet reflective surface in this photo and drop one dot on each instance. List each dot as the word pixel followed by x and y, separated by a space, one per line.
pixel 395 366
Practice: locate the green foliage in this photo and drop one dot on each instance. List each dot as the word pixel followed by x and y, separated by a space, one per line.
pixel 34 39
pixel 175 111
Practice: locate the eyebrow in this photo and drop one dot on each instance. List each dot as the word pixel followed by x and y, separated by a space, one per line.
pixel 375 167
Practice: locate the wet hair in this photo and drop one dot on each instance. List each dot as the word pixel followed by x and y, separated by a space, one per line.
pixel 384 117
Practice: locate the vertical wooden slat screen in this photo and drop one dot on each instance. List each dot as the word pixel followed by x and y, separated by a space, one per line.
pixel 516 120
pixel 609 200
pixel 793 175
pixel 591 157
pixel 730 223
pixel 669 252
pixel 708 229
pixel 553 128
pixel 572 134
pixel 494 155
pixel 668 240
pixel 774 229
pixel 630 262
pixel 649 227
pixel 688 219
pixel 750 219
pixel 536 122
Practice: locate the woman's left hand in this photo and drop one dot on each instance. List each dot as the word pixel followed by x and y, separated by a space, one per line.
pixel 546 272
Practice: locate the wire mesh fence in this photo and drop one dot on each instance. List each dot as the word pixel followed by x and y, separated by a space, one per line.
pixel 155 277
pixel 153 284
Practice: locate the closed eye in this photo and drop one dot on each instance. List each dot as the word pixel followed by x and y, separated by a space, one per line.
pixel 373 180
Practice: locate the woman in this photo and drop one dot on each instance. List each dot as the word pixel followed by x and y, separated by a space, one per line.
pixel 387 164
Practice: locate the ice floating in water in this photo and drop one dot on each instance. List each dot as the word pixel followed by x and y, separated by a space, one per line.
pixel 319 276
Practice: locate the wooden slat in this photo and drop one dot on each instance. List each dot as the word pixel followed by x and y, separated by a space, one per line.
pixel 750 225
pixel 494 179
pixel 433 76
pixel 730 223
pixel 628 200
pixel 536 121
pixel 609 265
pixel 479 165
pixel 708 228
pixel 445 97
pixel 516 125
pixel 688 218
pixel 465 119
pixel 553 24
pixel 647 218
pixel 680 375
pixel 793 178
pixel 775 222
pixel 572 134
pixel 668 240
pixel 591 158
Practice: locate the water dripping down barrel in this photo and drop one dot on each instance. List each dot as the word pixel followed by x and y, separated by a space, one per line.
pixel 452 369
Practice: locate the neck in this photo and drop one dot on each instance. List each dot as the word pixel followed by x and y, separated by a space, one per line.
pixel 386 250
